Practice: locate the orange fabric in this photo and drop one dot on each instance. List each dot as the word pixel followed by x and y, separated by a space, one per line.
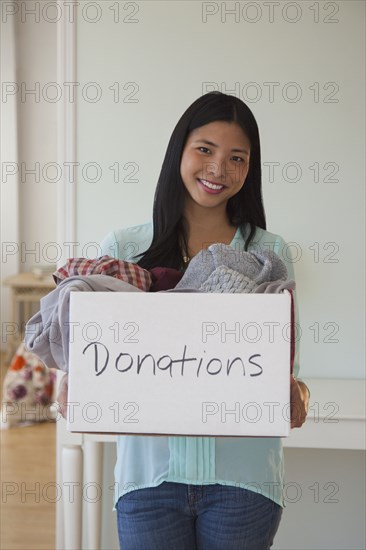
pixel 18 362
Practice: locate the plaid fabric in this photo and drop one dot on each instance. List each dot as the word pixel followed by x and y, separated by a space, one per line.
pixel 105 265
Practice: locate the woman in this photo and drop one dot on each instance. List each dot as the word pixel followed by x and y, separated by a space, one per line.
pixel 182 493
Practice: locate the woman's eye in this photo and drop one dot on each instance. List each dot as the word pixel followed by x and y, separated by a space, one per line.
pixel 205 150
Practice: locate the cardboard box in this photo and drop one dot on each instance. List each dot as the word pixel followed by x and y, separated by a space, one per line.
pixel 180 363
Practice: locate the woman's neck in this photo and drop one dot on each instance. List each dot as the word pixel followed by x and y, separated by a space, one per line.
pixel 206 226
pixel 206 220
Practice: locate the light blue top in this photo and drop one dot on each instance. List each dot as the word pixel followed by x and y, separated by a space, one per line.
pixel 146 461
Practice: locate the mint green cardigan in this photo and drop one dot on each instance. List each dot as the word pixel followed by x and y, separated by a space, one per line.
pixel 252 463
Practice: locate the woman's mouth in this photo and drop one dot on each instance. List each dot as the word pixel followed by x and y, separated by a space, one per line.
pixel 209 187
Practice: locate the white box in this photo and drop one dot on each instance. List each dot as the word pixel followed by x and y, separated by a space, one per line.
pixel 180 363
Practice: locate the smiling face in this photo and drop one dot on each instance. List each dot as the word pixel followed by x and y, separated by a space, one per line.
pixel 215 164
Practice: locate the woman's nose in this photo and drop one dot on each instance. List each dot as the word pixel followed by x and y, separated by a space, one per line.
pixel 216 168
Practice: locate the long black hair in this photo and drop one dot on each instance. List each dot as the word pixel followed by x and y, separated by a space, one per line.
pixel 246 207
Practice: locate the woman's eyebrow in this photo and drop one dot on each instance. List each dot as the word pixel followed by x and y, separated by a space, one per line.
pixel 215 145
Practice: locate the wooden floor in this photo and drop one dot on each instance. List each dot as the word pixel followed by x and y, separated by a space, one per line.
pixel 28 482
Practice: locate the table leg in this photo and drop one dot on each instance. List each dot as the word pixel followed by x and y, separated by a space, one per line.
pixel 72 494
pixel 93 468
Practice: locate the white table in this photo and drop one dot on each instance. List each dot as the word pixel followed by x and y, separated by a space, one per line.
pixel 336 420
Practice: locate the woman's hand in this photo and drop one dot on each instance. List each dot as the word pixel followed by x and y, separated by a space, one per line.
pixel 62 395
pixel 299 396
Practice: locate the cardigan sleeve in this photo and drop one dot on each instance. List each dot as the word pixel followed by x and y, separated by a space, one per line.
pixel 127 243
pixel 108 245
pixel 283 250
pixel 118 247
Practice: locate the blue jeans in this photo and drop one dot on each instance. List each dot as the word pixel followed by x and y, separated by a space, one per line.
pixel 177 516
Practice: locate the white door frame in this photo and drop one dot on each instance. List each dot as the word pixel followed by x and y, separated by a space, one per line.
pixel 66 128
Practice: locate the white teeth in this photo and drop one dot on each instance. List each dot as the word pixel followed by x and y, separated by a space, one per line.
pixel 211 185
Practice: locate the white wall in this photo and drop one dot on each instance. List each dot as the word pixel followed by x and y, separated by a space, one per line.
pixel 169 53
pixel 29 139
pixel 9 186
pixel 325 502
pixel 37 141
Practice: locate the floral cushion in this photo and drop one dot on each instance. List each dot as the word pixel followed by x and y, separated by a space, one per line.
pixel 27 390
